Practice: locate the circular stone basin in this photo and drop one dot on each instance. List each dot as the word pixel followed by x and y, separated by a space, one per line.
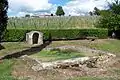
pixel 66 52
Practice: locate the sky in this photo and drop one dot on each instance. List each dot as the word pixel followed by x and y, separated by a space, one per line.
pixel 41 7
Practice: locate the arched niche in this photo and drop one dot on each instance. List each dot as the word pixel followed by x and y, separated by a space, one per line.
pixel 34 37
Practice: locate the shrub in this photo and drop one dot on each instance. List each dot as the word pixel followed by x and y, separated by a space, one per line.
pixel 14 35
pixel 19 34
pixel 110 22
pixel 111 18
pixel 77 33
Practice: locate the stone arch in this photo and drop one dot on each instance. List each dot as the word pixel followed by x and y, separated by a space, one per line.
pixel 34 37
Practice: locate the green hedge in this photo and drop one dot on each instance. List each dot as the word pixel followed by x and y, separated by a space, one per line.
pixel 19 34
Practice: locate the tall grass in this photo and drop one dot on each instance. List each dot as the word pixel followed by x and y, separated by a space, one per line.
pixel 71 22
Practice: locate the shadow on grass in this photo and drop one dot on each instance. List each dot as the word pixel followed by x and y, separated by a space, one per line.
pixel 29 51
pixel 1 47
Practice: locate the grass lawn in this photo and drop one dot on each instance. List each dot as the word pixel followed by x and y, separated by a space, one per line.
pixel 6 69
pixel 111 45
pixel 10 47
pixel 106 45
pixel 51 55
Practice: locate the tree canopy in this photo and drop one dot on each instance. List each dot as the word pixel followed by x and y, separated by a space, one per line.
pixel 114 7
pixel 110 18
pixel 27 15
pixel 96 11
pixel 60 11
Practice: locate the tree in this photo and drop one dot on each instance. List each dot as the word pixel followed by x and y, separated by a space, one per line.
pixel 3 17
pixel 104 12
pixel 91 13
pixel 27 15
pixel 99 12
pixel 60 11
pixel 110 18
pixel 96 11
pixel 114 7
pixel 52 14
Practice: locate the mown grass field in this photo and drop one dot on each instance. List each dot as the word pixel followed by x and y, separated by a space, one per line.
pixel 110 45
pixel 71 22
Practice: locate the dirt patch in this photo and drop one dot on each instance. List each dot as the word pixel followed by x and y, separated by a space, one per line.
pixel 23 69
pixel 116 64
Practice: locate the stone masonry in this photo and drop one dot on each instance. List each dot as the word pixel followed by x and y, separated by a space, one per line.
pixel 34 37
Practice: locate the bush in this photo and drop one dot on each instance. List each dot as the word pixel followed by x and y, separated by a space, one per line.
pixel 111 18
pixel 19 34
pixel 110 22
pixel 14 35
pixel 77 33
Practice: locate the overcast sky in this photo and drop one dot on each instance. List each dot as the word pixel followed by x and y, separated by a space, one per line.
pixel 71 7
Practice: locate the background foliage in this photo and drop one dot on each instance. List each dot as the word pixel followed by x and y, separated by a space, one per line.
pixel 60 11
pixel 53 22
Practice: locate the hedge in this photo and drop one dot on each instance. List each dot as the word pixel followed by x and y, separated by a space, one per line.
pixel 19 34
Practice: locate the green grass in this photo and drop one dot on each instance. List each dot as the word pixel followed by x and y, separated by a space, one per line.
pixel 72 22
pixel 110 45
pixel 106 45
pixel 10 47
pixel 51 55
pixel 6 69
